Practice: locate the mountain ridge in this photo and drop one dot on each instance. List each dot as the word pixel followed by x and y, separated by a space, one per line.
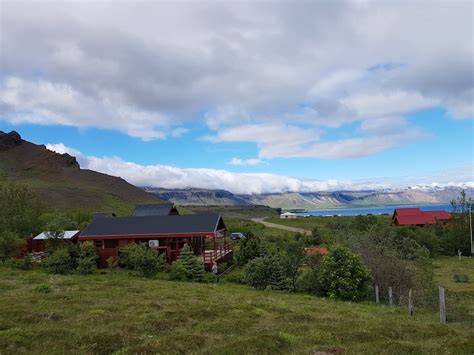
pixel 312 200
pixel 59 181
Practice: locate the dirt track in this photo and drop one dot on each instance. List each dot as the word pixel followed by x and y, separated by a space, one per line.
pixel 280 226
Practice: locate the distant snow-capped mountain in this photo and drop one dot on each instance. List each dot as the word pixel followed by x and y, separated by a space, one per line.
pixel 418 194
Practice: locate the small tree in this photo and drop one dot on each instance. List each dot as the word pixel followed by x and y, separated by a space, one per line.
pixel 276 275
pixel 250 248
pixel 293 262
pixel 343 275
pixel 55 227
pixel 10 245
pixel 193 266
pixel 257 273
pixel 266 271
pixel 20 208
pixel 316 236
pixel 461 204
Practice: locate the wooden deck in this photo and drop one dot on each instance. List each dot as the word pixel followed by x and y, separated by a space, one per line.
pixel 219 254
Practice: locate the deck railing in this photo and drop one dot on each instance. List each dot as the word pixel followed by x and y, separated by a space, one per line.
pixel 220 252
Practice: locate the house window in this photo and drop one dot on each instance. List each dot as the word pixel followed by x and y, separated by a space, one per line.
pixel 98 243
pixel 110 243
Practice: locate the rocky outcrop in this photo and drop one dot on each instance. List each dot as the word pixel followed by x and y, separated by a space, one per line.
pixel 9 140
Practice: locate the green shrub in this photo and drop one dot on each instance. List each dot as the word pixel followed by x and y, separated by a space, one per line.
pixel 462 278
pixel 61 261
pixel 26 262
pixel 343 275
pixel 257 273
pixel 138 257
pixel 309 282
pixel 250 248
pixel 43 288
pixel 265 272
pixel 87 259
pixel 178 272
pixel 10 245
pixel 236 276
pixel 210 278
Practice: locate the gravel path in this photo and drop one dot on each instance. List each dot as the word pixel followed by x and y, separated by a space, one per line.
pixel 280 226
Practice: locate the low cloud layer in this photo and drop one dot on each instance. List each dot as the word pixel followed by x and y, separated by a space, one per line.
pixel 240 183
pixel 276 74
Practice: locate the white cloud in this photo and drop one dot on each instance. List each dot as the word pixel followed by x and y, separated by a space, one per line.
pixel 172 177
pixel 249 70
pixel 43 102
pixel 251 161
pixel 387 103
pixel 62 149
pixel 244 183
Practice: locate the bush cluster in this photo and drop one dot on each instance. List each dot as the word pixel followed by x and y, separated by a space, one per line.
pixel 266 272
pixel 70 259
pixel 141 259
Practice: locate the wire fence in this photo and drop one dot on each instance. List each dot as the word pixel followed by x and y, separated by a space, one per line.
pixel 452 307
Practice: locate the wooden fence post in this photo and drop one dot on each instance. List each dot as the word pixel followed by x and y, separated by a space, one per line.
pixel 377 293
pixel 410 302
pixel 390 296
pixel 442 306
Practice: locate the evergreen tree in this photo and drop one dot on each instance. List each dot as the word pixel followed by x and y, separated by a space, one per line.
pixel 266 271
pixel 276 276
pixel 250 248
pixel 191 264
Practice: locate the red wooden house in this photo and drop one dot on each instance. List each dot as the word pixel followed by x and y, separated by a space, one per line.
pixel 416 217
pixel 205 234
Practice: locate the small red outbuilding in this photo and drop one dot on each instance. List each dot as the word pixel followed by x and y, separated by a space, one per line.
pixel 416 217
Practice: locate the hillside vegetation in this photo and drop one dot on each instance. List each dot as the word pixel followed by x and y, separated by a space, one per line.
pixel 134 315
pixel 59 182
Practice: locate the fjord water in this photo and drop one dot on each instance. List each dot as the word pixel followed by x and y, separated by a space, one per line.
pixel 372 210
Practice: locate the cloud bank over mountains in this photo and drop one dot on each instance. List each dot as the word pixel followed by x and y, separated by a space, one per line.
pixel 239 183
pixel 280 75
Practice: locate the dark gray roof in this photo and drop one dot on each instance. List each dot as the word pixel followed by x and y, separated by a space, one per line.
pixel 161 209
pixel 186 224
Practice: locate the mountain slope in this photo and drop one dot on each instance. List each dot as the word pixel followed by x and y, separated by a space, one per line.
pixel 60 182
pixel 312 200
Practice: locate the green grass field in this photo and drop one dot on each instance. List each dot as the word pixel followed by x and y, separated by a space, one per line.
pixel 459 293
pixel 124 314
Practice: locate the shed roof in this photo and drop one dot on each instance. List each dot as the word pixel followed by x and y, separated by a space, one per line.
pixel 67 235
pixel 154 225
pixel 406 211
pixel 157 209
pixel 440 215
pixel 415 219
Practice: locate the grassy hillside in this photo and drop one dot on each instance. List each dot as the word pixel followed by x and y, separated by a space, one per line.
pixel 60 183
pixel 120 313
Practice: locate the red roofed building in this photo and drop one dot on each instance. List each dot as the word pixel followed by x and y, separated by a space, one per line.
pixel 416 217
pixel 316 251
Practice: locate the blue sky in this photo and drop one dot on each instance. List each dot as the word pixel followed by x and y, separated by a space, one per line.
pixel 226 92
